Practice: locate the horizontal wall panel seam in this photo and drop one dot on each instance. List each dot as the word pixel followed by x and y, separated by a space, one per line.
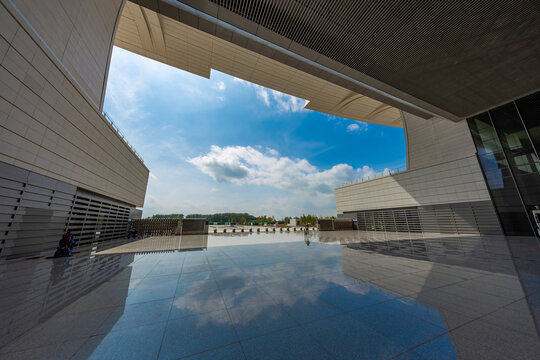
pixel 58 87
pixel 53 107
pixel 31 116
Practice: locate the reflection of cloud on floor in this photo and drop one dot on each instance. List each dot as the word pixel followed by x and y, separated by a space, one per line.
pixel 199 303
pixel 371 292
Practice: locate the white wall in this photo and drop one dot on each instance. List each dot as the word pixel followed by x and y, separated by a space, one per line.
pixel 451 182
pixel 442 169
pixel 435 141
pixel 79 33
pixel 49 121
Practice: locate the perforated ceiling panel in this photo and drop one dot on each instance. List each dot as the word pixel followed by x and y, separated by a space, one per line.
pixel 460 56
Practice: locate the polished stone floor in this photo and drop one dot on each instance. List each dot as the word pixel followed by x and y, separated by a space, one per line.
pixel 333 295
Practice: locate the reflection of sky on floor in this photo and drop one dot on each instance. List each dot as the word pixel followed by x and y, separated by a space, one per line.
pixel 279 300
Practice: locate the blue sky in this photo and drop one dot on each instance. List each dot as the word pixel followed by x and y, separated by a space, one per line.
pixel 223 144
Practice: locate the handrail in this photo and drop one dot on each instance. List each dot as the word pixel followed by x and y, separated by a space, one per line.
pixel 385 172
pixel 122 136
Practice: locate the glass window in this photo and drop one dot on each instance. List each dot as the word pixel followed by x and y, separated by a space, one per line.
pixel 514 222
pixel 517 148
pixel 519 151
pixel 529 108
pixel 484 136
pixel 528 164
pixel 494 167
pixel 511 132
pixel 530 188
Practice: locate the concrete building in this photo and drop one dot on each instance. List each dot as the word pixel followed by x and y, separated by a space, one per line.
pixel 487 183
pixel 62 163
pixel 418 71
pixel 423 68
pixel 461 78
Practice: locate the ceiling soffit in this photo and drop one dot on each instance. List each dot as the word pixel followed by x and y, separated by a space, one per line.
pixel 156 36
pixel 453 58
pixel 215 20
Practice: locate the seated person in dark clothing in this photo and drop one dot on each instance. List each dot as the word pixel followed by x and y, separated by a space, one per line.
pixel 65 245
pixel 132 233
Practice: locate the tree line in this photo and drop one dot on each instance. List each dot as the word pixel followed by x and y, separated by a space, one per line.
pixel 244 218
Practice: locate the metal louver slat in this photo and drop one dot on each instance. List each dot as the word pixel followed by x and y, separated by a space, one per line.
pixel 463 218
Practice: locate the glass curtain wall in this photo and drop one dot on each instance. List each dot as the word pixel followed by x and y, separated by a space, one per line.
pixel 529 109
pixel 507 140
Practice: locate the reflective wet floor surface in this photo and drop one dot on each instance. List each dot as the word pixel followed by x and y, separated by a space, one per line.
pixel 335 295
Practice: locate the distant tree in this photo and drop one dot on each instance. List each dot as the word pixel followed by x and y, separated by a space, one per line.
pixel 308 219
pixel 196 216
pixel 242 218
pixel 223 217
pixel 169 216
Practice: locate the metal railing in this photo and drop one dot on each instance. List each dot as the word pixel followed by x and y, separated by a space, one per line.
pixel 122 136
pixel 385 172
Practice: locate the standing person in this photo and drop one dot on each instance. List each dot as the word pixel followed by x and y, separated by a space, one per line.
pixel 306 239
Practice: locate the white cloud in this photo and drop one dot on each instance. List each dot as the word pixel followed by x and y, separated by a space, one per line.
pixel 263 95
pixel 357 127
pixel 331 117
pixel 132 80
pixel 220 85
pixel 124 93
pixel 150 199
pixel 247 165
pixel 150 102
pixel 275 99
pixel 238 80
pixel 366 171
pixel 288 103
